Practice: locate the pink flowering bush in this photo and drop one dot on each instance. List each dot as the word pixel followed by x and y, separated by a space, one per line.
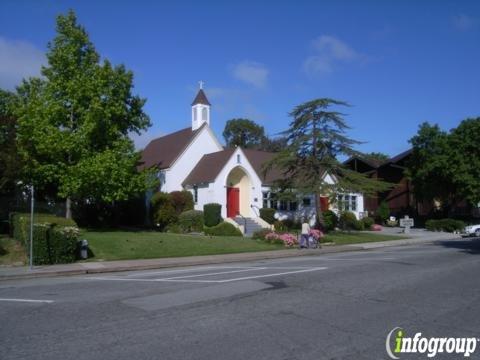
pixel 288 240
pixel 376 227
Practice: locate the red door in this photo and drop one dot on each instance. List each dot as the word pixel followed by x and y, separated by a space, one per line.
pixel 324 203
pixel 233 201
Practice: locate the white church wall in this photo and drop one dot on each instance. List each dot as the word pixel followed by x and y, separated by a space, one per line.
pixel 204 143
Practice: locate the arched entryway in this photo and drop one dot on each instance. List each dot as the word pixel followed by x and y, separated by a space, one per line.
pixel 238 193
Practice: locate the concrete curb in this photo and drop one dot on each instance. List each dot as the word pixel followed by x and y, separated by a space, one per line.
pixel 151 264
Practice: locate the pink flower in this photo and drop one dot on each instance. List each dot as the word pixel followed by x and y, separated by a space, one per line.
pixel 376 227
pixel 317 234
pixel 289 240
pixel 271 236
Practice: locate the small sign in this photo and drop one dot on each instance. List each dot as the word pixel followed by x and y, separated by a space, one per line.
pixel 406 222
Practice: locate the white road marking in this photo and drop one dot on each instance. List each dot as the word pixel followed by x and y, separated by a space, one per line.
pixel 359 259
pixel 189 270
pixel 29 300
pixel 188 278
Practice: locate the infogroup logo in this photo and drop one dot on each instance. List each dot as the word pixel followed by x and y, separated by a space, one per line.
pixel 397 343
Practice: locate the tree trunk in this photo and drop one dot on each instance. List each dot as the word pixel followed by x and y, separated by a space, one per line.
pixel 68 208
pixel 318 209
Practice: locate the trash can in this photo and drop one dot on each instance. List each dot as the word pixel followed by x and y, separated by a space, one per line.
pixel 83 249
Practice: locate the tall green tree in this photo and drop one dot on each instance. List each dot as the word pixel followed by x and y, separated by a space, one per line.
pixel 429 167
pixel 464 160
pixel 243 132
pixel 376 156
pixel 74 122
pixel 9 159
pixel 315 138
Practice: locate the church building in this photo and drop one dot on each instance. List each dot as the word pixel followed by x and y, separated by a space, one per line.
pixel 194 159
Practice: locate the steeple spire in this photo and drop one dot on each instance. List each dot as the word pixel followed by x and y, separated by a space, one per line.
pixel 200 108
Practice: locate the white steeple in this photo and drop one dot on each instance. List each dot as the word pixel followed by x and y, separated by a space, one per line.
pixel 200 109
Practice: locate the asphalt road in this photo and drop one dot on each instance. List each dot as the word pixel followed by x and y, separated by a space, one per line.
pixel 337 306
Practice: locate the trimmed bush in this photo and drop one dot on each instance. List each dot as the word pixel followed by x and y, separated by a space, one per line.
pixel 181 201
pixel 260 234
pixel 268 214
pixel 163 211
pixel 212 214
pixel 367 222
pixel 383 212
pixel 448 225
pixel 348 221
pixel 223 229
pixel 54 238
pixel 279 226
pixel 330 220
pixel 191 221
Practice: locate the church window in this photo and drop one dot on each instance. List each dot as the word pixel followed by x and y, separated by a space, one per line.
pixel 204 114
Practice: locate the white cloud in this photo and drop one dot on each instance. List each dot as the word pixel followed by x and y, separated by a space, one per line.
pixel 463 22
pixel 328 53
pixel 252 73
pixel 18 60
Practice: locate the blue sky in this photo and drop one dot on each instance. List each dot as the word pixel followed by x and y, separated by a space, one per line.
pixel 398 63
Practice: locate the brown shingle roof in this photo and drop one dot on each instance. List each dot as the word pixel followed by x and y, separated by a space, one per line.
pixel 210 166
pixel 163 151
pixel 201 98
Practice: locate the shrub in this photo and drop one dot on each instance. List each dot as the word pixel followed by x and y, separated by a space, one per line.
pixel 448 225
pixel 348 221
pixel 368 222
pixel 54 238
pixel 181 201
pixel 163 211
pixel 279 226
pixel 174 229
pixel 290 224
pixel 317 234
pixel 330 220
pixel 383 212
pixel 212 214
pixel 268 215
pixel 273 238
pixel 288 240
pixel 223 229
pixel 191 220
pixel 391 223
pixel 260 234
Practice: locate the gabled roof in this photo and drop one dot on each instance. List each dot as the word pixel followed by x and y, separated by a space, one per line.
pixel 163 151
pixel 201 98
pixel 400 157
pixel 210 165
pixel 372 163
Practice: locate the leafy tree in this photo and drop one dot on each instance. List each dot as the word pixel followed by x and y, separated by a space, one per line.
pixel 315 138
pixel 429 167
pixel 464 160
pixel 273 144
pixel 9 160
pixel 73 123
pixel 383 212
pixel 376 156
pixel 244 133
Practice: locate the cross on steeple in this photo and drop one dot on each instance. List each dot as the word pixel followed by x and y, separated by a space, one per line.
pixel 200 84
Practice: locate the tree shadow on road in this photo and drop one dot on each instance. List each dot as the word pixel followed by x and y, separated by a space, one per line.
pixel 467 245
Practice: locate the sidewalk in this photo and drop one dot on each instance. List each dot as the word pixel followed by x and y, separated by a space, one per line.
pixel 82 268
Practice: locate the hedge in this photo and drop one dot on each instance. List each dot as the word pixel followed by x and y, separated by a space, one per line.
pixel 223 229
pixel 212 214
pixel 330 220
pixel 348 221
pixel 54 238
pixel 191 220
pixel 448 225
pixel 368 222
pixel 268 215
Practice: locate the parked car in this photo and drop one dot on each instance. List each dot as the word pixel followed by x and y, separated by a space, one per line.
pixel 472 230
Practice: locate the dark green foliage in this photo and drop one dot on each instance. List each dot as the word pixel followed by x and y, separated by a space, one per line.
pixel 268 215
pixel 260 234
pixel 181 201
pixel 163 212
pixel 290 224
pixel 223 229
pixel 279 226
pixel 367 222
pixel 212 214
pixel 348 221
pixel 244 133
pixel 383 212
pixel 191 221
pixel 10 165
pixel 448 225
pixel 54 238
pixel 330 220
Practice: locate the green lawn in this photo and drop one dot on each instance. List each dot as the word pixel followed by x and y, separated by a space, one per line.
pixel 123 245
pixel 344 238
pixel 11 252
